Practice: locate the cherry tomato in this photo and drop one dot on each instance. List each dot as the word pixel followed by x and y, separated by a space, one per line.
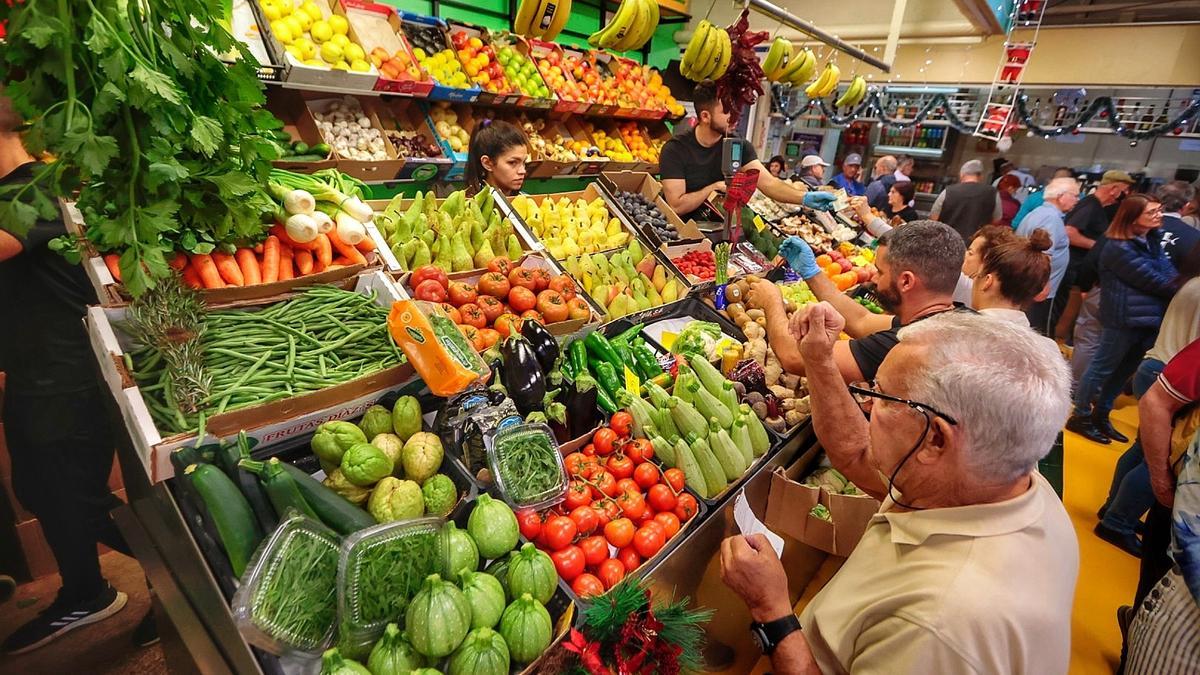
pixel 578 494
pixel 621 423
pixel 602 516
pixel 685 507
pixel 648 540
pixel 646 476
pixel 661 497
pixel 669 521
pixel 647 516
pixel 619 532
pixel 589 450
pixel 595 549
pixel 620 466
pixel 587 585
pixel 605 441
pixel 611 572
pixel 674 478
pixel 604 485
pixel 611 510
pixel 569 562
pixel 628 485
pixel 530 523
pixel 629 558
pixel 589 468
pixel 633 506
pixel 639 450
pixel 560 531
pixel 654 525
pixel 574 463
pixel 585 519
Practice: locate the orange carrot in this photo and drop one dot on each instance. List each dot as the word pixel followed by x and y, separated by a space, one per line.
pixel 342 261
pixel 249 264
pixel 206 269
pixel 113 262
pixel 304 261
pixel 366 245
pixel 191 277
pixel 345 249
pixel 324 252
pixel 179 262
pixel 228 269
pixel 335 267
pixel 281 232
pixel 258 249
pixel 286 268
pixel 270 263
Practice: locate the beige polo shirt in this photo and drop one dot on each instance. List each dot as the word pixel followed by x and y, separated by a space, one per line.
pixel 971 589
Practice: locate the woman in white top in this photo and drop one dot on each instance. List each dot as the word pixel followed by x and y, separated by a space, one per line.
pixel 1009 274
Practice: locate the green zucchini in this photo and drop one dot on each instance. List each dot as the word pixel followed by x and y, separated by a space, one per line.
pixel 280 487
pixel 686 461
pixel 714 475
pixel 333 509
pixel 237 530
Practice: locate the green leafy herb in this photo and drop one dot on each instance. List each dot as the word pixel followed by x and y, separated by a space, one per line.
pixel 527 466
pixel 297 598
pixel 387 575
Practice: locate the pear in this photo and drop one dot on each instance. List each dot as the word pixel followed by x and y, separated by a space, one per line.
pixel 647 265
pixel 484 255
pixel 601 297
pixel 650 290
pixel 572 266
pixel 659 278
pixel 670 292
pixel 460 259
pixel 635 250
pixel 513 248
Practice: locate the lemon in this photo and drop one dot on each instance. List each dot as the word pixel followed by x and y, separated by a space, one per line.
pixel 341 65
pixel 271 11
pixel 294 26
pixel 331 52
pixel 285 7
pixel 360 66
pixel 320 31
pixel 340 40
pixel 295 51
pixel 304 20
pixel 354 53
pixel 312 10
pixel 339 24
pixel 282 31
pixel 307 49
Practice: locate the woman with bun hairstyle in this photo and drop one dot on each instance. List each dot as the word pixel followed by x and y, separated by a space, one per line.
pixel 496 157
pixel 1010 275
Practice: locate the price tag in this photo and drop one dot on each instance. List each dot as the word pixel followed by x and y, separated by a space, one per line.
pixel 632 384
pixel 667 339
pixel 759 224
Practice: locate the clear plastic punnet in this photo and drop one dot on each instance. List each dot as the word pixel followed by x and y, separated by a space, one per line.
pixel 526 464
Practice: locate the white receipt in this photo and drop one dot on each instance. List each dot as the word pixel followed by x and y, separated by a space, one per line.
pixel 749 524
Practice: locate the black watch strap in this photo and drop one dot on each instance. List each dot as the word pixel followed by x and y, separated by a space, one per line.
pixel 770 634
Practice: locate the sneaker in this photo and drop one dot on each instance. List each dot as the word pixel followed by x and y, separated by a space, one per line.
pixel 1126 541
pixel 146 633
pixel 60 618
pixel 1082 425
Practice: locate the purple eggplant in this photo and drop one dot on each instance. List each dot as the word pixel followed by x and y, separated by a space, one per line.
pixel 523 378
pixel 543 343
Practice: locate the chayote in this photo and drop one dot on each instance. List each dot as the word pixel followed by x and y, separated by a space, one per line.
pixel 440 495
pixel 333 439
pixel 364 464
pixel 391 445
pixel 354 494
pixel 395 499
pixel 377 420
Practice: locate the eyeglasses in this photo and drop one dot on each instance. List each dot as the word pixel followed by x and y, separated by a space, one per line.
pixel 865 396
pixel 1152 213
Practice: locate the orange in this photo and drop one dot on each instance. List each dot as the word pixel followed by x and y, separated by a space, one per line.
pixel 823 261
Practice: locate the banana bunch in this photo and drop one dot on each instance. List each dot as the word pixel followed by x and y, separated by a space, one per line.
pixel 707 54
pixel 826 84
pixel 855 93
pixel 631 27
pixel 796 70
pixel 543 19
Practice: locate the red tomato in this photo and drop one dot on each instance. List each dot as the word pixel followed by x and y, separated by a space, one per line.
pixel 611 572
pixel 574 463
pixel 585 519
pixel 654 525
pixel 522 276
pixel 500 264
pixel 578 494
pixel 531 524
pixel 461 294
pixel 455 315
pixel 491 307
pixel 508 324
pixel 602 515
pixel 472 315
pixel 648 540
pixel 493 284
pixel 629 558
pixel 686 507
pixel 589 468
pixel 620 466
pixel 587 585
pixel 489 337
pixel 661 497
pixel 670 523
pixel 589 450
pixel 646 476
pixel 472 335
pixel 639 450
pixel 577 308
pixel 604 485
pixel 611 510
pixel 595 549
pixel 532 315
pixel 428 272
pixel 560 532
pixel 621 423
pixel 604 440
pixel 628 485
pixel 430 291
pixel 569 562
pixel 521 299
pixel 632 505
pixel 552 306
pixel 565 286
pixel 541 279
pixel 674 478
pixel 619 532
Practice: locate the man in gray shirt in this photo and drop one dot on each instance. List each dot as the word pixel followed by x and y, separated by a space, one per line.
pixel 1061 195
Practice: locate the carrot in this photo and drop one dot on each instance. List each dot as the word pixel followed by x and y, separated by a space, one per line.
pixel 366 245
pixel 228 269
pixel 345 249
pixel 113 262
pixel 324 252
pixel 342 261
pixel 191 277
pixel 304 261
pixel 281 232
pixel 258 249
pixel 286 268
pixel 249 264
pixel 334 267
pixel 206 269
pixel 179 262
pixel 270 262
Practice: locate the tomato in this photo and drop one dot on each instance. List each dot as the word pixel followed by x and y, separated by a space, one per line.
pixel 531 524
pixel 604 485
pixel 500 264
pixel 685 507
pixel 674 478
pixel 604 441
pixel 619 532
pixel 611 572
pixel 611 510
pixel 569 562
pixel 472 335
pixel 578 495
pixel 452 312
pixel 541 279
pixel 521 299
pixel 565 286
pixel 574 463
pixel 461 294
pixel 552 306
pixel 654 525
pixel 620 466
pixel 472 315
pixel 595 549
pixel 577 308
pixel 602 515
pixel 661 497
pixel 489 337
pixel 587 585
pixel 670 523
pixel 522 276
pixel 560 532
pixel 646 476
pixel 639 450
pixel 648 540
pixel 425 272
pixel 629 558
pixel 430 291
pixel 493 284
pixel 508 324
pixel 622 423
pixel 491 307
pixel 532 315
pixel 589 450
pixel 589 468
pixel 628 486
pixel 585 519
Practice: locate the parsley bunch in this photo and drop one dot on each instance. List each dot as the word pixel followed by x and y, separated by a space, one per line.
pixel 164 140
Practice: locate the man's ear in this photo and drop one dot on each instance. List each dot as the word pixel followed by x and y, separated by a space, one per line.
pixel 942 440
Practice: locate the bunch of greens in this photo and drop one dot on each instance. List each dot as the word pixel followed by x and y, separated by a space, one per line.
pixel 697 339
pixel 385 573
pixel 164 140
pixel 296 599
pixel 528 466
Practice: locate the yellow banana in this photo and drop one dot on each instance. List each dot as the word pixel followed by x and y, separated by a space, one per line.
pixel 690 59
pixel 854 93
pixel 637 19
pixel 525 16
pixel 624 21
pixel 814 90
pixel 704 61
pixel 831 86
pixel 796 63
pixel 541 18
pixel 562 12
pixel 805 72
pixel 724 56
pixel 607 36
pixel 778 57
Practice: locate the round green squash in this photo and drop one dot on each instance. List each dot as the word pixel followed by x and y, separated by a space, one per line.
pixel 461 553
pixel 532 571
pixel 526 628
pixel 486 596
pixel 393 654
pixel 438 618
pixel 483 652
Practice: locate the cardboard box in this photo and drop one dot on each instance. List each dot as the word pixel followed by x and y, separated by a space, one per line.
pixel 375 26
pixel 367 170
pixel 789 503
pixel 296 72
pixel 410 23
pixel 268 422
pixel 651 189
pixel 298 123
pixel 408 115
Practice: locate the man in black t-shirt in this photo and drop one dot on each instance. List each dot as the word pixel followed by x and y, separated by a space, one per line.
pixel 690 163
pixel 919 266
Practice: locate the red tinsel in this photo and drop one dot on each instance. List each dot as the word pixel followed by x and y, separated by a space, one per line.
pixel 588 651
pixel 740 189
pixel 741 84
pixel 640 651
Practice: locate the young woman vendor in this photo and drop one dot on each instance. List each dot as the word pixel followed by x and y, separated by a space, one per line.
pixel 496 157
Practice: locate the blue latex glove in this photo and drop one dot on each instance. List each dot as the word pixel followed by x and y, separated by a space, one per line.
pixel 819 201
pixel 800 257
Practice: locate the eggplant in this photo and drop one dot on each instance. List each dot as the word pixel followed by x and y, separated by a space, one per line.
pixel 523 377
pixel 545 346
pixel 580 399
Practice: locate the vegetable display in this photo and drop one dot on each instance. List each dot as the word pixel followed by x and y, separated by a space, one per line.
pixel 625 282
pixel 456 234
pixel 382 571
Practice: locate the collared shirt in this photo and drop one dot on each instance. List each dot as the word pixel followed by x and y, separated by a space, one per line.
pixel 901 177
pixel 853 188
pixel 1047 217
pixel 986 588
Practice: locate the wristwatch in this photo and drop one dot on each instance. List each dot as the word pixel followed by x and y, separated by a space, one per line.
pixel 769 635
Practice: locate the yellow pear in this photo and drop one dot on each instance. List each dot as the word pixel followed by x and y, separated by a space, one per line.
pixel 659 279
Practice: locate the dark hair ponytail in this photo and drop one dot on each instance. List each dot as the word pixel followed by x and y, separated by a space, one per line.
pixel 491 139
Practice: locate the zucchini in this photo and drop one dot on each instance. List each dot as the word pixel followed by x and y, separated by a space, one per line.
pixel 307 157
pixel 184 457
pixel 280 487
pixel 322 149
pixel 237 530
pixel 300 148
pixel 732 462
pixel 333 509
pixel 664 451
pixel 714 475
pixel 227 457
pixel 692 475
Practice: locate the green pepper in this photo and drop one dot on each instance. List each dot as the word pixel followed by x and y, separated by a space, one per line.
pixel 647 364
pixel 599 347
pixel 577 356
pixel 606 403
pixel 631 332
pixel 626 354
pixel 606 375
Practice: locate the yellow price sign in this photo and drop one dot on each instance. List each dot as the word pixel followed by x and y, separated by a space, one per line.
pixel 667 339
pixel 759 224
pixel 632 383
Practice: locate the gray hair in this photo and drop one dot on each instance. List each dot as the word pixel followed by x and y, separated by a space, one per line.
pixel 1059 187
pixel 1175 195
pixel 889 162
pixel 904 160
pixel 931 250
pixel 971 167
pixel 1008 388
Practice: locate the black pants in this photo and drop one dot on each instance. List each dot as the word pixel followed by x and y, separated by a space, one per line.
pixel 62 452
pixel 1156 540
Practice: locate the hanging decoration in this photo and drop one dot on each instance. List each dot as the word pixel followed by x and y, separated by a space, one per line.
pixel 1104 108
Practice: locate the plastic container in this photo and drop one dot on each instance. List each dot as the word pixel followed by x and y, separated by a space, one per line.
pixel 299 562
pixel 380 570
pixel 499 443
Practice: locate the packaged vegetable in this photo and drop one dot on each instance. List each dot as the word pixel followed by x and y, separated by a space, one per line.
pixel 376 420
pixel 364 464
pixel 435 347
pixel 526 464
pixel 422 456
pixel 440 495
pixel 393 654
pixel 333 439
pixel 395 499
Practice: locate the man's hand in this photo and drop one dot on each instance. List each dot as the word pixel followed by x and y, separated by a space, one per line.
pixel 863 208
pixel 750 568
pixel 765 294
pixel 718 186
pixel 799 255
pixel 817 328
pixel 1163 488
pixel 819 201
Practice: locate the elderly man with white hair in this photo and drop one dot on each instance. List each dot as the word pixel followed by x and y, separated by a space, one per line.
pixel 969 204
pixel 970 564
pixel 1060 196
